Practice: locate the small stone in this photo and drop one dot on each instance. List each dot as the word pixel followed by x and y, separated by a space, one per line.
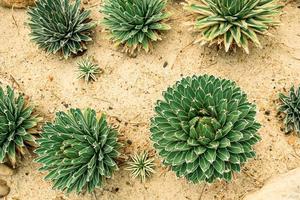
pixel 4 189
pixel 281 187
pixel 267 112
pixel 129 142
pixel 5 171
pixel 165 64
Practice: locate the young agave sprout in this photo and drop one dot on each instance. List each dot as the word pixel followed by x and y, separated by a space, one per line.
pixel 88 70
pixel 141 166
pixel 232 22
pixel 134 24
pixel 17 123
pixel 291 107
pixel 204 128
pixel 78 150
pixel 59 25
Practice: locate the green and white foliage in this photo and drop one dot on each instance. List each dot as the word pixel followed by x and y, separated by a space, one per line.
pixel 78 150
pixel 134 24
pixel 233 22
pixel 17 124
pixel 88 70
pixel 58 25
pixel 291 107
pixel 204 128
pixel 141 166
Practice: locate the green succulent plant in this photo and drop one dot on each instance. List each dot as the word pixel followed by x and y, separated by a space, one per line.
pixel 233 22
pixel 58 25
pixel 291 107
pixel 204 128
pixel 17 123
pixel 141 166
pixel 78 151
pixel 134 24
pixel 88 70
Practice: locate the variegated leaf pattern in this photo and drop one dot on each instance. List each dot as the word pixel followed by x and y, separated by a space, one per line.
pixel 59 25
pixel 134 24
pixel 17 122
pixel 291 107
pixel 141 166
pixel 78 151
pixel 204 128
pixel 233 22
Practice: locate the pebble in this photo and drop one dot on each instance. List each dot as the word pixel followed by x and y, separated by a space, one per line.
pixel 4 189
pixel 5 171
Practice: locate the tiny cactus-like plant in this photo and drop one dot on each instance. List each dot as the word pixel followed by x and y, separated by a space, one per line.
pixel 141 166
pixel 88 70
pixel 291 108
pixel 59 25
pixel 134 24
pixel 17 123
pixel 204 128
pixel 78 150
pixel 232 22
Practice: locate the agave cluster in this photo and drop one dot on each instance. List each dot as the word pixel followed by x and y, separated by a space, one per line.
pixel 141 166
pixel 16 126
pixel 88 70
pixel 135 23
pixel 204 128
pixel 78 150
pixel 58 25
pixel 233 22
pixel 291 107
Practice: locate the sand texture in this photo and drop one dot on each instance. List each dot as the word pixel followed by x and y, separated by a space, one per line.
pixel 127 92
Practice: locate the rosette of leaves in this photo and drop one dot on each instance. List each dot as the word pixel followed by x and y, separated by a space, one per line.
pixel 88 70
pixel 58 25
pixel 291 107
pixel 233 22
pixel 141 166
pixel 204 128
pixel 17 123
pixel 135 24
pixel 78 150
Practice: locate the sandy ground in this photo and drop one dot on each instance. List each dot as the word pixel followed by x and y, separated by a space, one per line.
pixel 129 88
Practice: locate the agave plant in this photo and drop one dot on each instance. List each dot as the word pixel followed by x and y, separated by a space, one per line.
pixel 88 70
pixel 17 123
pixel 204 128
pixel 141 166
pixel 233 22
pixel 134 24
pixel 291 107
pixel 58 25
pixel 78 150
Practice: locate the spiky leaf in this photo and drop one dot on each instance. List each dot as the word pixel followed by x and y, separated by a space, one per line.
pixel 291 108
pixel 141 166
pixel 135 23
pixel 216 124
pixel 78 151
pixel 16 126
pixel 59 25
pixel 232 22
pixel 88 70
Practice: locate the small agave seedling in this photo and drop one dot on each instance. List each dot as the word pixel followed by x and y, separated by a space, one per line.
pixel 78 150
pixel 141 166
pixel 88 70
pixel 232 22
pixel 17 124
pixel 134 24
pixel 204 128
pixel 58 25
pixel 291 107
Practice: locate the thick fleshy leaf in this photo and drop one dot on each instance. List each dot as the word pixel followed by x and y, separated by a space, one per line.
pixel 81 141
